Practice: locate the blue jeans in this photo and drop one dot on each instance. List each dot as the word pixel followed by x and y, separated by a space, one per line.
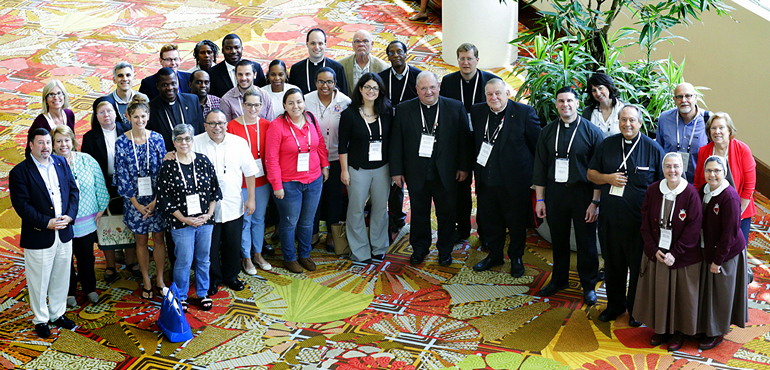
pixel 297 210
pixel 192 242
pixel 254 226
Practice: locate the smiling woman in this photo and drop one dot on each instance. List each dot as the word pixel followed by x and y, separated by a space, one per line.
pixel 55 108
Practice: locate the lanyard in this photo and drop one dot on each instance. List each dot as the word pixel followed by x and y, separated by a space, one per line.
pixel 248 137
pixel 475 85
pixel 169 118
pixel 322 109
pixel 663 210
pixel 368 128
pixel 403 89
pixel 435 123
pixel 307 72
pixel 309 137
pixel 494 134
pixel 137 158
pixel 216 155
pixel 569 147
pixel 692 135
pixel 195 177
pixel 625 157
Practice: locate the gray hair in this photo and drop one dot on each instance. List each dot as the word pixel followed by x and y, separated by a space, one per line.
pixel 181 129
pixel 718 159
pixel 122 64
pixel 425 74
pixel 639 112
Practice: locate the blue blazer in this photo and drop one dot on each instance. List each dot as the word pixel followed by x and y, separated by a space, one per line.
pixel 32 203
pixel 148 84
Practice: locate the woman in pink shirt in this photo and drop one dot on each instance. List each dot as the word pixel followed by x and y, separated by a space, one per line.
pixel 297 166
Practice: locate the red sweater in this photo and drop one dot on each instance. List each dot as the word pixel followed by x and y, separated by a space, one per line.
pixel 722 235
pixel 743 168
pixel 236 128
pixel 685 227
pixel 281 154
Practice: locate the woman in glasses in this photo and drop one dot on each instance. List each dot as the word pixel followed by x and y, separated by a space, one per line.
pixel 55 108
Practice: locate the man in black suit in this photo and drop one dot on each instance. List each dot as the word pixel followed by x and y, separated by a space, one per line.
pixel 171 108
pixel 505 135
pixel 123 76
pixel 303 72
pixel 45 196
pixel 467 86
pixel 169 58
pixel 431 150
pixel 222 75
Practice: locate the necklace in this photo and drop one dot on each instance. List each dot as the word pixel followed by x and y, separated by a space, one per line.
pixel 366 115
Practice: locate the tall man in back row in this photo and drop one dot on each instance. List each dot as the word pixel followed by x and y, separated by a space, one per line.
pixel 431 151
pixel 303 72
pixel 222 75
pixel 362 61
pixel 467 86
pixel 683 129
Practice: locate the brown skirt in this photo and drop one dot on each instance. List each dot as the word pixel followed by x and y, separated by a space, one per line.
pixel 667 300
pixel 724 297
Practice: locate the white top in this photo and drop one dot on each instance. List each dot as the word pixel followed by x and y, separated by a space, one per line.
pixel 277 99
pixel 109 139
pixel 328 118
pixel 51 180
pixel 232 160
pixel 611 125
pixel 231 73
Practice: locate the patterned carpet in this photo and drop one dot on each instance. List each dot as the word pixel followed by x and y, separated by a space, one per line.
pixel 344 315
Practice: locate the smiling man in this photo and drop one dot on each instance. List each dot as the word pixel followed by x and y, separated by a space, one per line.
pixel 232 101
pixel 361 61
pixel 303 72
pixel 171 108
pixel 123 76
pixel 564 148
pixel 683 129
pixel 169 58
pixel 624 166
pixel 223 76
pixel 200 86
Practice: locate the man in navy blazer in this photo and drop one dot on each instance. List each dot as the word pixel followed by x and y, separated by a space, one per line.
pixel 171 108
pixel 505 136
pixel 222 75
pixel 169 58
pixel 45 196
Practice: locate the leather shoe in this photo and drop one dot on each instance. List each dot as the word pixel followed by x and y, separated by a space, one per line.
pixel 710 342
pixel 633 322
pixel 445 261
pixel 267 248
pixel 380 257
pixel 608 315
pixel 551 289
pixel 307 263
pixel 213 289
pixel 42 330
pixel 236 285
pixel 676 341
pixel 589 297
pixel 517 267
pixel 658 339
pixel 487 263
pixel 417 258
pixel 601 274
pixel 293 266
pixel 64 323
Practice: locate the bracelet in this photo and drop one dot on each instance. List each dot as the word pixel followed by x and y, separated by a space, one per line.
pixel 541 200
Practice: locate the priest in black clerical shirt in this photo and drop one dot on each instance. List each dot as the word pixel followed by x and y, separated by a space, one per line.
pixel 171 108
pixel 303 73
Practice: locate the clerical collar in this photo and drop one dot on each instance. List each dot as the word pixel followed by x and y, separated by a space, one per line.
pixel 429 106
pixel 316 63
pixel 171 102
pixel 567 124
pixel 470 78
pixel 500 111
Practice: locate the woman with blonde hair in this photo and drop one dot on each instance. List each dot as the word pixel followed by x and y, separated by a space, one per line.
pixel 55 108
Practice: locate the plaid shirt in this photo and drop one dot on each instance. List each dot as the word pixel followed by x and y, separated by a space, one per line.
pixel 212 102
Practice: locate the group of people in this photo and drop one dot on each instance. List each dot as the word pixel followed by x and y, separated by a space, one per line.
pixel 194 160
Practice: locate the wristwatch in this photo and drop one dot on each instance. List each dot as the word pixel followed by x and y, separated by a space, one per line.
pixel 595 202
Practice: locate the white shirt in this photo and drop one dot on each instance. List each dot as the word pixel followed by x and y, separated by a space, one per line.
pixel 277 99
pixel 232 160
pixel 109 140
pixel 51 179
pixel 358 71
pixel 231 72
pixel 328 118
pixel 611 125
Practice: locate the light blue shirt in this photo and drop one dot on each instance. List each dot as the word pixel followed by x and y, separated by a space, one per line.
pixel 51 179
pixel 671 126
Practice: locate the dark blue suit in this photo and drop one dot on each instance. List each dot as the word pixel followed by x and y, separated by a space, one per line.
pixel 34 206
pixel 148 84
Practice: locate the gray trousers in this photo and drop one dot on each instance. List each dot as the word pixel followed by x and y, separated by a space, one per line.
pixel 364 184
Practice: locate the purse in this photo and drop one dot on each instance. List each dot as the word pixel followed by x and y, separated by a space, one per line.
pixel 340 238
pixel 172 320
pixel 113 233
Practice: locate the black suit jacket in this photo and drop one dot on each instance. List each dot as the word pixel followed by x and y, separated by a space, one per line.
pixel 450 86
pixel 193 115
pixel 121 126
pixel 453 151
pixel 298 76
pixel 515 145
pixel 34 206
pixel 221 82
pixel 148 84
pixel 94 145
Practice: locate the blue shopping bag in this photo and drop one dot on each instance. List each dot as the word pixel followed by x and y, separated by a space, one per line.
pixel 172 320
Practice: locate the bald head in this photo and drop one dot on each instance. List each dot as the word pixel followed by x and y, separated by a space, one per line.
pixel 685 99
pixel 362 45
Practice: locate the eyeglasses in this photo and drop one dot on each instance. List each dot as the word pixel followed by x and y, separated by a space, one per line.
pixel 369 88
pixel 397 52
pixel 214 124
pixel 252 105
pixel 170 59
pixel 51 95
pixel 715 171
pixel 186 139
pixel 466 59
pixel 325 82
pixel 686 96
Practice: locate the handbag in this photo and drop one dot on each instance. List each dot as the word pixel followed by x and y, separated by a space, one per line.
pixel 172 320
pixel 340 238
pixel 113 233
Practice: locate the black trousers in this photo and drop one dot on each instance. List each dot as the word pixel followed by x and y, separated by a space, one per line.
pixel 331 208
pixel 566 205
pixel 83 250
pixel 396 207
pixel 225 253
pixel 623 248
pixel 498 209
pixel 421 234
pixel 464 206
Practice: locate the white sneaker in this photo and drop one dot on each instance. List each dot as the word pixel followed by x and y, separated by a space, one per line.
pixel 71 302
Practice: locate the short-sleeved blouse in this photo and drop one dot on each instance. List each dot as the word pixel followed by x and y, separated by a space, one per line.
pixel 173 189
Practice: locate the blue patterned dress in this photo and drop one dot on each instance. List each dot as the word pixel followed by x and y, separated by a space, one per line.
pixel 126 177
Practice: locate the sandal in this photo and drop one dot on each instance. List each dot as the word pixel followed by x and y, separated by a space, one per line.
pixel 184 306
pixel 207 303
pixel 111 277
pixel 147 293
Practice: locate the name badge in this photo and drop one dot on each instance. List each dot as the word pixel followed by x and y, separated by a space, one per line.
pixel 144 185
pixel 685 161
pixel 303 162
pixel 665 239
pixel 193 204
pixel 375 151
pixel 617 190
pixel 260 168
pixel 483 157
pixel 426 145
pixel 562 170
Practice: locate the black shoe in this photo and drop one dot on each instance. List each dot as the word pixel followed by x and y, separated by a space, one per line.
pixel 608 315
pixel 417 258
pixel 517 267
pixel 330 248
pixel 551 289
pixel 213 290
pixel 487 263
pixel 600 275
pixel 267 248
pixel 42 330
pixel 64 323
pixel 445 261
pixel 380 257
pixel 236 285
pixel 632 322
pixel 589 297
